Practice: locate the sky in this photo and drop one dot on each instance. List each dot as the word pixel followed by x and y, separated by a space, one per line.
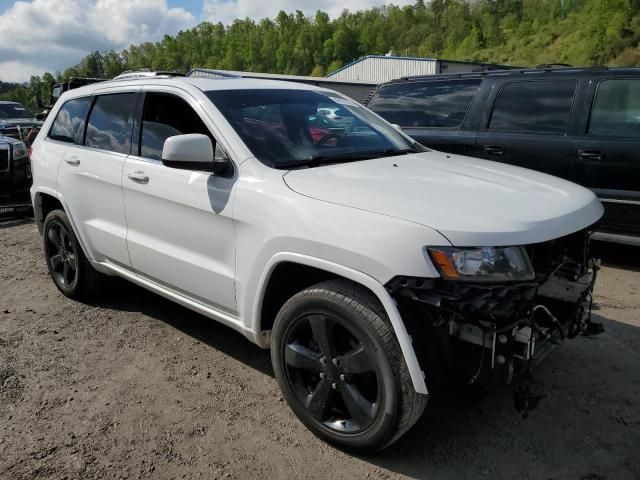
pixel 50 35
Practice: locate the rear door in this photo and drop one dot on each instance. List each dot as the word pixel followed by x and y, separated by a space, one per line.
pixel 436 113
pixel 526 124
pixel 90 176
pixel 180 231
pixel 607 152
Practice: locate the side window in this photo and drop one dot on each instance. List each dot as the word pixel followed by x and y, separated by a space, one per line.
pixel 69 123
pixel 164 116
pixel 534 107
pixel 616 109
pixel 109 125
pixel 425 104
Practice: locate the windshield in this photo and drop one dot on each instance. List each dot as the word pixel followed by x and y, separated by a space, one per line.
pixel 14 110
pixel 290 128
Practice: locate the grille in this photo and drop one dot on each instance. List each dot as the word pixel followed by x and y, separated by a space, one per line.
pixel 499 302
pixel 4 160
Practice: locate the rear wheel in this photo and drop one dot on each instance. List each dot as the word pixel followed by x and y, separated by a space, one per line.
pixel 340 367
pixel 69 268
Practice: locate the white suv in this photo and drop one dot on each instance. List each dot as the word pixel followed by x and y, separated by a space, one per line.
pixel 371 266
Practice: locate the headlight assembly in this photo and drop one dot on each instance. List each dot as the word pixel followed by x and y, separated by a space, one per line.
pixel 488 264
pixel 19 150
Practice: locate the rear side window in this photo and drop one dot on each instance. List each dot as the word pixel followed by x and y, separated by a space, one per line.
pixel 69 123
pixel 616 109
pixel 534 107
pixel 425 104
pixel 165 116
pixel 109 125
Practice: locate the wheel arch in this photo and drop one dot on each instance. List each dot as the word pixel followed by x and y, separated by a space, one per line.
pixel 46 200
pixel 43 203
pixel 318 270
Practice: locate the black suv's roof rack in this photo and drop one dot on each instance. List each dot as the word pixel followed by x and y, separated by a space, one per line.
pixel 482 71
pixel 552 65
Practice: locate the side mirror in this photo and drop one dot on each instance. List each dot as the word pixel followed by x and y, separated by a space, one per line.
pixel 181 150
pixel 194 151
pixel 396 126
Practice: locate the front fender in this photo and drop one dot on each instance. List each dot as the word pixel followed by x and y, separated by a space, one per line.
pixel 417 375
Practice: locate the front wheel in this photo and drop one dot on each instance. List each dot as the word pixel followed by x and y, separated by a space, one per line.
pixel 340 368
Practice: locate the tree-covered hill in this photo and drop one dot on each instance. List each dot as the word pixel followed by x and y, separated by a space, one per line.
pixel 515 32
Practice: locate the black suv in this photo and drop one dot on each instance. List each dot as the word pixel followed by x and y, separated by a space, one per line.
pixel 15 178
pixel 582 124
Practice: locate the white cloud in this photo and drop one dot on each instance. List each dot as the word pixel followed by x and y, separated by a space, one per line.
pixel 49 35
pixel 226 11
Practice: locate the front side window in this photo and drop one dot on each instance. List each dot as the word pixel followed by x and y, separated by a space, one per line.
pixel 69 123
pixel 616 109
pixel 289 128
pixel 14 110
pixel 109 125
pixel 441 104
pixel 534 107
pixel 164 116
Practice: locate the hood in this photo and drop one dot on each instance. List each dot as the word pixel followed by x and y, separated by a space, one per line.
pixel 472 202
pixel 4 140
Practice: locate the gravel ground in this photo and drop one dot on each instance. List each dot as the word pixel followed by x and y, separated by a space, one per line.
pixel 137 387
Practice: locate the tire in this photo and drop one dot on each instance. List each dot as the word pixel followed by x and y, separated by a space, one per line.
pixel 69 268
pixel 362 399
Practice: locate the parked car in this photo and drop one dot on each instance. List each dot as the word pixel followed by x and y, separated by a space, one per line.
pixel 581 124
pixel 18 122
pixel 15 178
pixel 371 266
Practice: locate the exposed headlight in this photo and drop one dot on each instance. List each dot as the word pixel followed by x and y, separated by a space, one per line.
pixel 19 151
pixel 489 264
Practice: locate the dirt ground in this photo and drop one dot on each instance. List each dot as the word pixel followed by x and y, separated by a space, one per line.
pixel 137 387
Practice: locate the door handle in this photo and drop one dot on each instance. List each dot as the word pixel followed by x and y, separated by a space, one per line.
pixel 494 149
pixel 590 155
pixel 138 177
pixel 73 161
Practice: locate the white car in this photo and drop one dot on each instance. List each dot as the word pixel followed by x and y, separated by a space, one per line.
pixel 372 267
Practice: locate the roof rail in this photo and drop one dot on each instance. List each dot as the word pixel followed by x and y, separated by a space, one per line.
pixel 210 73
pixel 546 66
pixel 146 73
pixel 501 71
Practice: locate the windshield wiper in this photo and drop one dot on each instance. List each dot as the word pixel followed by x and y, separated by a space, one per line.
pixel 328 159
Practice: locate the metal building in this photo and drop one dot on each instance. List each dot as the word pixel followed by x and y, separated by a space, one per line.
pixel 382 68
pixel 355 89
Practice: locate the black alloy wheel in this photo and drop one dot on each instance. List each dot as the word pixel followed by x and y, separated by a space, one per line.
pixel 61 254
pixel 70 270
pixel 332 373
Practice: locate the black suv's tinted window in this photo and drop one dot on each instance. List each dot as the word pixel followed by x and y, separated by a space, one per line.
pixel 425 104
pixel 69 123
pixel 616 110
pixel 534 106
pixel 109 125
pixel 165 116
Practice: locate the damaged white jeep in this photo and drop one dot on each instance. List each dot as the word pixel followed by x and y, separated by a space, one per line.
pixel 373 268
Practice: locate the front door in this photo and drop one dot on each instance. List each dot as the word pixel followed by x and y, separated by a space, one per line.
pixel 180 231
pixel 607 155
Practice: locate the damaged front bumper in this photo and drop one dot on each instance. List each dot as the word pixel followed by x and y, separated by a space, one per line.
pixel 487 333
